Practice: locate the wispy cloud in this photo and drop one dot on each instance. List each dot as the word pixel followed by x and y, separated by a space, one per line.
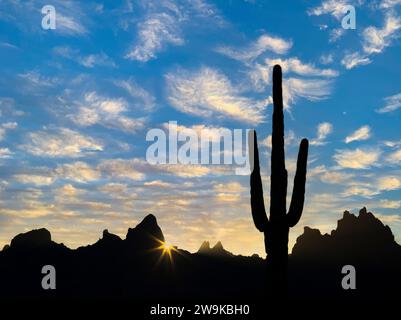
pixel 263 44
pixel 352 60
pixel 121 168
pixel 207 92
pixel 390 204
pixel 143 99
pixel 5 153
pixel 395 157
pixel 163 25
pixel 71 17
pixel 296 66
pixel 4 127
pixel 323 130
pixel 310 89
pixel 392 103
pixel 358 158
pixel 388 4
pixel 363 133
pixel 374 41
pixel 77 171
pixel 36 80
pixel 60 142
pixel 372 188
pixel 108 112
pixel 88 61
pixel 336 8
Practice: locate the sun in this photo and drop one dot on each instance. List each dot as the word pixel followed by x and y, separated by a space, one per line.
pixel 166 249
pixel 167 246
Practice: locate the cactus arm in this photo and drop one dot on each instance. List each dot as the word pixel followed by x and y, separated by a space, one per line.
pixel 278 190
pixel 298 194
pixel 257 202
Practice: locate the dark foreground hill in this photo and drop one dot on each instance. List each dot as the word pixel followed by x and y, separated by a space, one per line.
pixel 140 267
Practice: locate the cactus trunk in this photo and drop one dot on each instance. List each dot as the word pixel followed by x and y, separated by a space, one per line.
pixel 276 227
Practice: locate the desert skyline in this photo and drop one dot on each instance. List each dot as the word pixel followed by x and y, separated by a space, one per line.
pixel 77 102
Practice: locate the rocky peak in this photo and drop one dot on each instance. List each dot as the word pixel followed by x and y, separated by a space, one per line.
pixel 32 239
pixel 217 250
pixel 147 234
pixel 359 237
pixel 205 247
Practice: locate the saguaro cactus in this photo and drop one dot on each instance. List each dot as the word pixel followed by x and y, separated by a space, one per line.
pixel 276 228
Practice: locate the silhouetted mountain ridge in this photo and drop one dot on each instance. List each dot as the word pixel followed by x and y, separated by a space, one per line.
pixel 356 237
pixel 216 250
pixel 140 267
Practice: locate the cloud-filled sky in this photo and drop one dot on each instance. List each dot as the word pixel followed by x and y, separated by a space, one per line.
pixel 77 102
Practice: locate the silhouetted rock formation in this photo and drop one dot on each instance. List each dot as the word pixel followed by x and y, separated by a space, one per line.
pixel 276 227
pixel 139 268
pixel 146 235
pixel 356 237
pixel 205 247
pixel 362 241
pixel 217 250
pixel 33 238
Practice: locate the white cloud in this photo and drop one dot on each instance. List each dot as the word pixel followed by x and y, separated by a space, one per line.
pixel 375 40
pixel 208 92
pixel 157 31
pixel 35 79
pixel 390 204
pixel 100 59
pixel 388 183
pixel 335 177
pixel 5 153
pixel 71 17
pixel 4 127
pixel 157 184
pixel 358 158
pixel 336 34
pixel 360 191
pixel 297 66
pixel 121 168
pixel 354 59
pixel 37 180
pixel 231 187
pixel 395 157
pixel 336 8
pixel 145 100
pixel 323 130
pixel 392 103
pixel 326 58
pixel 77 171
pixel 387 4
pixel 88 61
pixel 290 139
pixel 108 112
pixel 310 89
pixel 69 25
pixel 60 143
pixel 261 45
pixel 371 188
pixel 164 24
pixel 363 133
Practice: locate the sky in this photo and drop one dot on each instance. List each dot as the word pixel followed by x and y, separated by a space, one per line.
pixel 77 102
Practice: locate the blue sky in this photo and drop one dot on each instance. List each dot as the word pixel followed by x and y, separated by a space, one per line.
pixel 76 104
